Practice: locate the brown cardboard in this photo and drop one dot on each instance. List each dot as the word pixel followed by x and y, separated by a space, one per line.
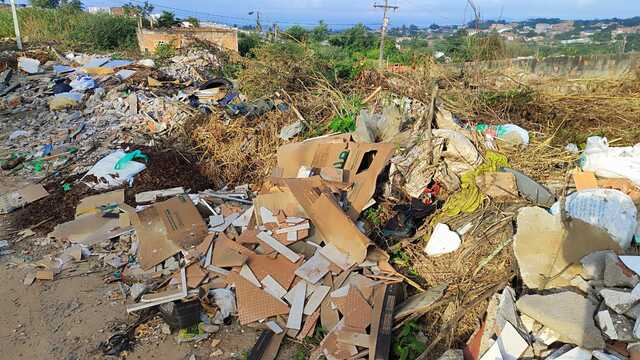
pixel 499 186
pixel 44 275
pixel 277 201
pixel 90 204
pixel 86 229
pixel 228 253
pixel 358 311
pixel 362 167
pixel 19 198
pixel 167 227
pixel 329 219
pixel 254 303
pixel 280 269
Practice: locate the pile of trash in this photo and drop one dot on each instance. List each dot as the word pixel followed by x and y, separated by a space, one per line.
pixel 352 238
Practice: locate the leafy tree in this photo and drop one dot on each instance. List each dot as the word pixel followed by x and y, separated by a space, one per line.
pixel 193 21
pixel 72 4
pixel 434 26
pixel 143 10
pixel 297 33
pixel 50 4
pixel 167 19
pixel 602 36
pixel 320 32
pixel 248 42
pixel 358 38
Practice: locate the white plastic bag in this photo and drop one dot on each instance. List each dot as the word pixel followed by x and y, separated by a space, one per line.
pixel 83 83
pixel 611 162
pixel 608 209
pixel 225 300
pixel 108 177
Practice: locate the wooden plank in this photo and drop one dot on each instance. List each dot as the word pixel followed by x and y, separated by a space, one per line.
pixel 383 336
pixel 172 297
pixel 304 226
pixel 272 287
pixel 295 315
pixel 273 326
pixel 309 325
pixel 261 345
pixel 246 273
pixel 378 303
pixel 316 299
pixel 353 338
pixel 277 246
pixel 314 269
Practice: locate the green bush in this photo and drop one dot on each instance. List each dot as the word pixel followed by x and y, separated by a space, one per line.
pixel 72 28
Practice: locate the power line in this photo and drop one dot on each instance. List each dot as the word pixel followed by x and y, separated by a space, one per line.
pixel 248 20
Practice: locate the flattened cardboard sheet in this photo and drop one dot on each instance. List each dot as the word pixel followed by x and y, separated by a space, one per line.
pixel 329 219
pixel 167 227
pixel 90 204
pixel 254 303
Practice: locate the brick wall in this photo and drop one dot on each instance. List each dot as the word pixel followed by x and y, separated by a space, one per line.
pixel 149 39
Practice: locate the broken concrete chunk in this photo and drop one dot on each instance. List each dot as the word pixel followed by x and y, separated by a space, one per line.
pixel 547 336
pixel 506 309
pixel 576 353
pixel 531 190
pixel 568 314
pixel 509 346
pixel 420 302
pixel 620 301
pixel 593 265
pixel 548 253
pixel 452 354
pixel 615 326
pixel 581 284
pixel 539 237
pixel 616 274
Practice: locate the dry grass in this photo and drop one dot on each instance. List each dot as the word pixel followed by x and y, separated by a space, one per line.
pixel 483 260
pixel 242 152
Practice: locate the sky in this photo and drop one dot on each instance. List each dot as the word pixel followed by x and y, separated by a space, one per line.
pixel 342 13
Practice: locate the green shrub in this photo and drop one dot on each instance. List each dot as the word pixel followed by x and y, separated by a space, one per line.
pixel 72 28
pixel 164 51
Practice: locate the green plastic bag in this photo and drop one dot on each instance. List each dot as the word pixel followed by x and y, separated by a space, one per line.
pixel 137 154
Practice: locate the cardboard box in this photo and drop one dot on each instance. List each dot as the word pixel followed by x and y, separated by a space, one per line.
pixel 167 227
pixel 361 168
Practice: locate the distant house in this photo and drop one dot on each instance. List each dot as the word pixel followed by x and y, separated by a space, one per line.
pixel 562 27
pixel 542 28
pixel 149 39
pixel 576 41
pixel 500 28
pixel 118 11
pixel 626 30
pixel 98 9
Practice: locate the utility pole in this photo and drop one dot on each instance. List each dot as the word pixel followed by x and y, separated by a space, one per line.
pixel 385 23
pixel 16 26
pixel 258 25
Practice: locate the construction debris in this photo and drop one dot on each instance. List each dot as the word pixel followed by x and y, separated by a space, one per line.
pixel 350 238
